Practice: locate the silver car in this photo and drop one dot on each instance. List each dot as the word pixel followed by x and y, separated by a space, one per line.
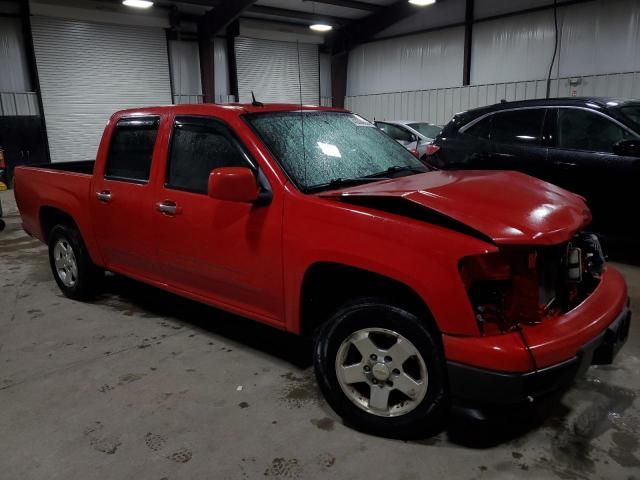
pixel 414 135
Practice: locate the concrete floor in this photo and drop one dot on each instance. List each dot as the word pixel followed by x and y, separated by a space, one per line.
pixel 142 384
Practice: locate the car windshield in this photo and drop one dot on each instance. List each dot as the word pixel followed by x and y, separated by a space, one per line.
pixel 632 112
pixel 426 129
pixel 336 147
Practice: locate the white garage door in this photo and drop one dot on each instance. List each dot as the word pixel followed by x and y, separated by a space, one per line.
pixel 87 71
pixel 269 68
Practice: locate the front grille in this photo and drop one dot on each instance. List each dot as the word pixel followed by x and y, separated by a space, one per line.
pixel 559 288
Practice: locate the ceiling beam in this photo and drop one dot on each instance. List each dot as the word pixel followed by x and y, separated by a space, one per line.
pixel 365 29
pixel 307 16
pixel 369 7
pixel 219 17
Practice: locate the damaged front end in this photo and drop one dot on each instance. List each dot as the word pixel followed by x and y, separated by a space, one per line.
pixel 527 284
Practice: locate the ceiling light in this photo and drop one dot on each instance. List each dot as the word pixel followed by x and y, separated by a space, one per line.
pixel 422 3
pixel 320 27
pixel 137 3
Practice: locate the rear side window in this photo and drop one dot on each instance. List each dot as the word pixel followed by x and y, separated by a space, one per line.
pixel 397 133
pixel 480 129
pixel 522 127
pixel 583 130
pixel 131 149
pixel 199 145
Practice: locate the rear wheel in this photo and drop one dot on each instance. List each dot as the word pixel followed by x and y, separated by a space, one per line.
pixel 380 368
pixel 72 268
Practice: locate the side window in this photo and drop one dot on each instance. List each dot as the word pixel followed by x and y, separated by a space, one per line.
pixel 480 129
pixel 584 130
pixel 199 145
pixel 131 149
pixel 397 133
pixel 522 127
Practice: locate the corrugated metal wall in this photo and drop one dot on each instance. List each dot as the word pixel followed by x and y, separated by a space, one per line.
pixel 90 70
pixel 439 105
pixel 277 71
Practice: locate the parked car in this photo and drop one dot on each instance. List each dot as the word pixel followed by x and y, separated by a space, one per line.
pixel 413 135
pixel 417 286
pixel 590 146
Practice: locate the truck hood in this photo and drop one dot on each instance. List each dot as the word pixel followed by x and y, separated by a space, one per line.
pixel 506 207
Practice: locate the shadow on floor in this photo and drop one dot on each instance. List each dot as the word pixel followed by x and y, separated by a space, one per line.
pixel 145 299
pixel 466 427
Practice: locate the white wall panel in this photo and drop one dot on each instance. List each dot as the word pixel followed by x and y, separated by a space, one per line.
pixel 439 105
pixel 88 71
pixel 600 37
pixel 14 68
pixel 512 49
pixel 220 68
pixel 416 62
pixel 185 69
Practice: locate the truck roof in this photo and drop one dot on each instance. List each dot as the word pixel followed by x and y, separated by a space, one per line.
pixel 223 109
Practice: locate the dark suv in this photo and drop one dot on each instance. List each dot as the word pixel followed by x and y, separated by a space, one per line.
pixel 590 146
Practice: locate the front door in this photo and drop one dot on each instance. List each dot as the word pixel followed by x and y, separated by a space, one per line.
pixel 225 253
pixel 121 197
pixel 517 142
pixel 585 162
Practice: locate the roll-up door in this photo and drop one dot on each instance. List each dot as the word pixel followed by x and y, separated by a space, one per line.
pixel 269 68
pixel 89 70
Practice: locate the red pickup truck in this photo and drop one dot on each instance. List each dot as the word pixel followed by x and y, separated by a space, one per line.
pixel 419 287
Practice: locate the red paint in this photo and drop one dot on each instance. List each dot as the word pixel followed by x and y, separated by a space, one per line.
pixel 233 184
pixel 252 259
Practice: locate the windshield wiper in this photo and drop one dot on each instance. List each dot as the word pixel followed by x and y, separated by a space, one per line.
pixel 342 182
pixel 398 169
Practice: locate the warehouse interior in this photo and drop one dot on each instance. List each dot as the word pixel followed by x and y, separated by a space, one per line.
pixel 144 383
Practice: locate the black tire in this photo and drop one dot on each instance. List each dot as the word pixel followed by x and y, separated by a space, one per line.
pixel 427 418
pixel 88 275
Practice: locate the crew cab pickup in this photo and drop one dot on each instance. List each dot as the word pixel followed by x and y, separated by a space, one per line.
pixel 419 286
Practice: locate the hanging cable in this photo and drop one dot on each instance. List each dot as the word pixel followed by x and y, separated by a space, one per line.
pixel 555 47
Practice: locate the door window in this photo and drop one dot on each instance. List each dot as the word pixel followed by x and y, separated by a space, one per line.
pixel 397 133
pixel 199 145
pixel 481 129
pixel 522 127
pixel 584 130
pixel 131 149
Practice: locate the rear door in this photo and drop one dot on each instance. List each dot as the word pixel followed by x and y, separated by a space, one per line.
pixel 517 142
pixel 225 253
pixel 121 197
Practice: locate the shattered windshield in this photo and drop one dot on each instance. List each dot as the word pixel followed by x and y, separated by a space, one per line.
pixel 335 147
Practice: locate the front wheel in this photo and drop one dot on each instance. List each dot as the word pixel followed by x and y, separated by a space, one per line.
pixel 72 268
pixel 381 370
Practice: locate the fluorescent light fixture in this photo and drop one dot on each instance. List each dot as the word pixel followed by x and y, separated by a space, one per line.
pixel 320 27
pixel 422 3
pixel 137 3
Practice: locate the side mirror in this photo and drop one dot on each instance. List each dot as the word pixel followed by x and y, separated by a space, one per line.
pixel 627 148
pixel 233 184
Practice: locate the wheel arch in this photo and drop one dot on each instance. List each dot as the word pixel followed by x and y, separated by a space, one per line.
pixel 328 285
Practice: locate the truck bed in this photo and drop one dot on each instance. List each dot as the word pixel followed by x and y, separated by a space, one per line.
pixel 61 186
pixel 85 166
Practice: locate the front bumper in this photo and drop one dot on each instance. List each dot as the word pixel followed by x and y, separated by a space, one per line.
pixel 491 387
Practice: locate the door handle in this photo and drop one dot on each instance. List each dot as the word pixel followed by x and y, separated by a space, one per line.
pixel 566 165
pixel 168 207
pixel 104 196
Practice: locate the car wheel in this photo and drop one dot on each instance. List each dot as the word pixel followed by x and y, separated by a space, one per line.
pixel 381 370
pixel 72 268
